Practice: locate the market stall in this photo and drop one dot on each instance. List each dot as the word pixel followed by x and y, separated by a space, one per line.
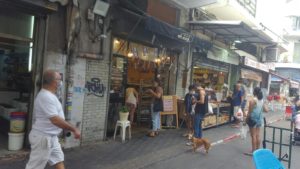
pixel 135 65
pixel 213 75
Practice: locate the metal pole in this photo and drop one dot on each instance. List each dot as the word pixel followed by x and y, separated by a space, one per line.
pixel 273 140
pixel 280 145
pixel 290 147
pixel 264 141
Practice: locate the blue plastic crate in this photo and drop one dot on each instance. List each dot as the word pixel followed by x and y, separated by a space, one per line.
pixel 265 159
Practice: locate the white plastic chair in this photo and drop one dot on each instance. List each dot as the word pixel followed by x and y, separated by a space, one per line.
pixel 123 125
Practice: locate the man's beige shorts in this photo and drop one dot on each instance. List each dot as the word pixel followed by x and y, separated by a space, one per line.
pixel 44 149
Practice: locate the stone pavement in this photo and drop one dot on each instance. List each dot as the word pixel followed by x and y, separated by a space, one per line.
pixel 140 152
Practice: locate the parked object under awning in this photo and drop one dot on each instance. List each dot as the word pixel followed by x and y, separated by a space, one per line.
pixel 232 31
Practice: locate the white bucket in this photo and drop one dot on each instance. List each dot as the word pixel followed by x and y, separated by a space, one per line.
pixel 15 141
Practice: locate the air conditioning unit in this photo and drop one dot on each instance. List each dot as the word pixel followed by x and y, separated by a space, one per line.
pixel 271 54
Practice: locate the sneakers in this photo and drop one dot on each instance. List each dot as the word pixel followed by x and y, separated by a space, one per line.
pixel 190 136
pixel 248 154
pixel 185 134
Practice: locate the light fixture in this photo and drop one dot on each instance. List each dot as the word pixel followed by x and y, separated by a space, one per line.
pixel 238 41
pixel 130 54
pixel 157 60
pixel 116 41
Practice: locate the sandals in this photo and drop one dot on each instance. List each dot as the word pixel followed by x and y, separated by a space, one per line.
pixel 235 126
pixel 248 154
pixel 151 134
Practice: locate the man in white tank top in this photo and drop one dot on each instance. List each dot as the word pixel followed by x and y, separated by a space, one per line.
pixel 48 122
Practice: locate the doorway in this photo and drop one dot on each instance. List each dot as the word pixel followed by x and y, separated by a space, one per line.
pixel 16 58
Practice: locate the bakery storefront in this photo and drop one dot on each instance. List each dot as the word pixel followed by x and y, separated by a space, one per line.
pixel 135 65
pixel 143 49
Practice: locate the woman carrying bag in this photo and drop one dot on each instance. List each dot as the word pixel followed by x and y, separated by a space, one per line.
pixel 254 118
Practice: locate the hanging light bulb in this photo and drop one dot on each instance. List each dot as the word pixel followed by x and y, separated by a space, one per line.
pixel 130 54
pixel 116 41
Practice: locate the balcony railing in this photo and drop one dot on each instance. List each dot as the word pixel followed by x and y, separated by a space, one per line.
pixel 249 5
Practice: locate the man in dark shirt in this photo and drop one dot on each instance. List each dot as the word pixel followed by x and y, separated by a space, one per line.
pixel 200 111
pixel 236 102
pixel 189 110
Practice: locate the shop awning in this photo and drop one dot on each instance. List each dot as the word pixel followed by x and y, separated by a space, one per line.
pixel 277 78
pixel 30 6
pixel 294 84
pixel 164 29
pixel 248 74
pixel 233 31
pixel 151 31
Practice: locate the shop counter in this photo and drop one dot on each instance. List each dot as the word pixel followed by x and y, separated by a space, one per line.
pixel 220 116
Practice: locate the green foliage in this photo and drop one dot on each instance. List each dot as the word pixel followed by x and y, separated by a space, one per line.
pixel 124 109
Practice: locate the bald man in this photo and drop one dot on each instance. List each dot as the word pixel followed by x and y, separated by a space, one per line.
pixel 48 122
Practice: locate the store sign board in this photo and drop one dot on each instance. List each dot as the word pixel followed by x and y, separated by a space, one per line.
pixel 256 65
pixel 123 47
pixel 185 37
pixel 223 56
pixel 271 66
pixel 248 74
pixel 168 103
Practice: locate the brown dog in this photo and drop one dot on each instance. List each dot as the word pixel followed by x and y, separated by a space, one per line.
pixel 197 142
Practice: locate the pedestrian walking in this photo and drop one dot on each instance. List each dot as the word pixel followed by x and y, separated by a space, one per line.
pixel 156 107
pixel 254 118
pixel 48 122
pixel 295 109
pixel 237 98
pixel 189 111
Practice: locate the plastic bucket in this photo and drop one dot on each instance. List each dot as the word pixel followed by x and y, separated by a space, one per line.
pixel 15 141
pixel 17 122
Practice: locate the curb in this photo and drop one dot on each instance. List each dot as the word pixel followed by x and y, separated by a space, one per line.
pixel 21 155
pixel 277 120
pixel 237 135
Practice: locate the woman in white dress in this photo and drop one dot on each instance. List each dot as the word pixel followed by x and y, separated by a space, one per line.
pixel 131 102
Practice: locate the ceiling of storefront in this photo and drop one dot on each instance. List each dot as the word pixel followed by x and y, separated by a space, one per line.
pixel 192 3
pixel 231 31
